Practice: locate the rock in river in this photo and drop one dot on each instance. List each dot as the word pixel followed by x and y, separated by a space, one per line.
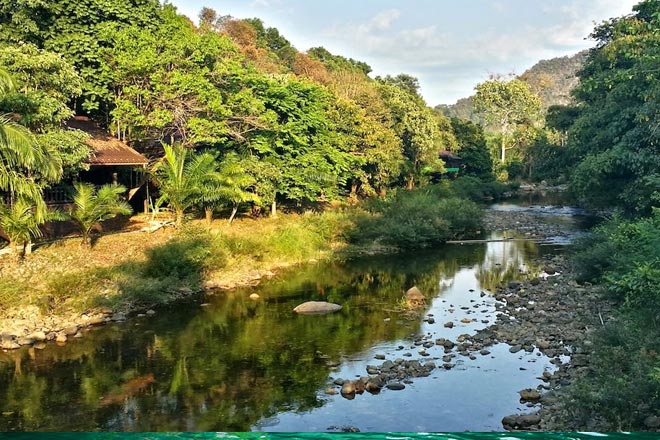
pixel 529 395
pixel 317 307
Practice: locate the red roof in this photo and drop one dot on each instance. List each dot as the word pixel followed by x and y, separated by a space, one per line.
pixel 108 150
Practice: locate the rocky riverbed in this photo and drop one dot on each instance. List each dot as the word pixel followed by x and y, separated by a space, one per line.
pixel 550 314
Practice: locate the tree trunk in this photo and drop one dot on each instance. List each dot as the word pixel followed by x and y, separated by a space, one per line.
pixel 208 214
pixel 178 220
pixel 234 210
pixel 273 209
pixel 503 146
pixel 411 183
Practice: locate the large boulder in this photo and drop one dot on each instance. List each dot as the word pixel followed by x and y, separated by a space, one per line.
pixel 317 308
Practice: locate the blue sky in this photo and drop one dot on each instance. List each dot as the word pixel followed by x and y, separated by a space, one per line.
pixel 450 45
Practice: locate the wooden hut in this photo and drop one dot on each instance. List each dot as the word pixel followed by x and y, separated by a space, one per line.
pixel 453 163
pixel 112 161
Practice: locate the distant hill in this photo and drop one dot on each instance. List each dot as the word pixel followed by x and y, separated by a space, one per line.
pixel 551 79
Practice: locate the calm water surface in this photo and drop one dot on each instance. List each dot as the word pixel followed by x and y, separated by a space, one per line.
pixel 227 363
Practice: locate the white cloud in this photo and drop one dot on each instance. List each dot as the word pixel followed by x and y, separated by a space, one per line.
pixel 264 3
pixel 385 19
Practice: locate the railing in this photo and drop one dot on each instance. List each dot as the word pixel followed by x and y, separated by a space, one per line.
pixel 57 196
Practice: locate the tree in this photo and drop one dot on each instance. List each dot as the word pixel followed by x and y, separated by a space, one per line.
pixel 615 142
pixel 45 85
pixel 185 179
pixel 20 223
pixel 417 127
pixel 506 105
pixel 403 81
pixel 298 140
pixel 91 206
pixel 172 84
pixel 472 148
pixel 229 186
pixel 337 62
pixel 374 146
pixel 79 30
pixel 25 165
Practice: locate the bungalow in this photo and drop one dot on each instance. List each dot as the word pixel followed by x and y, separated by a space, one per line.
pixel 112 161
pixel 453 163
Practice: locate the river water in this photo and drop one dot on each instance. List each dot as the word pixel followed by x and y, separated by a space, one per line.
pixel 228 363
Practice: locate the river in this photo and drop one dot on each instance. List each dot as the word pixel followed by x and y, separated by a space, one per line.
pixel 229 363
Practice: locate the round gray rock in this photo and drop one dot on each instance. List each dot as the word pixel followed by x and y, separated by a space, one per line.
pixel 317 308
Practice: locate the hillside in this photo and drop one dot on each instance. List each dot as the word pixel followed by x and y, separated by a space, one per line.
pixel 551 79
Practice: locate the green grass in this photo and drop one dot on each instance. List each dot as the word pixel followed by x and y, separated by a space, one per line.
pixel 163 272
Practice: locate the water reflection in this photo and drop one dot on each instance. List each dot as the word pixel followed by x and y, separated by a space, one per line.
pixel 237 364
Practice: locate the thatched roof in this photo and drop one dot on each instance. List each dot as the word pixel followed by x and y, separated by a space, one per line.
pixel 108 150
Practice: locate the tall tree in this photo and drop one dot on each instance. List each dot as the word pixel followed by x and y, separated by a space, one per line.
pixel 80 30
pixel 616 139
pixel 25 165
pixel 298 139
pixel 172 83
pixel 417 127
pixel 507 105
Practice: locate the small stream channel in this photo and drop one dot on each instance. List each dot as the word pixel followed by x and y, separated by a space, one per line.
pixel 228 363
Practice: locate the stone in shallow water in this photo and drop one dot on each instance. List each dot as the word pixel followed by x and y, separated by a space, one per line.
pixel 317 308
pixel 529 395
pixel 395 386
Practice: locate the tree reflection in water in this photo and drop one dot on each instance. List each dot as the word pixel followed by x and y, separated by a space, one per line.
pixel 226 366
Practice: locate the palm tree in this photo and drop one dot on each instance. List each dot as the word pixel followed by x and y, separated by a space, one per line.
pixel 20 222
pixel 92 206
pixel 230 187
pixel 185 179
pixel 25 167
pixel 24 164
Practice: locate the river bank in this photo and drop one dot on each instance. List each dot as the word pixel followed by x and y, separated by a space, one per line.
pixel 64 289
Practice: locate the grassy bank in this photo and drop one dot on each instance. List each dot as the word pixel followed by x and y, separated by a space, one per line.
pixel 622 389
pixel 136 270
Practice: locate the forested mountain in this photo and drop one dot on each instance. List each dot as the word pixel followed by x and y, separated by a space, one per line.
pixel 553 80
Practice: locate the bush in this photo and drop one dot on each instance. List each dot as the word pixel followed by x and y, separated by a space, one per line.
pixel 618 247
pixel 418 219
pixel 623 384
pixel 623 387
pixel 473 188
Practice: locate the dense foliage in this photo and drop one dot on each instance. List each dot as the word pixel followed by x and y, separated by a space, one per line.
pixel 616 139
pixel 244 116
pixel 624 256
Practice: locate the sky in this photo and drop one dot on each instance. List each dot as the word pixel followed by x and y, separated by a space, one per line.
pixel 449 45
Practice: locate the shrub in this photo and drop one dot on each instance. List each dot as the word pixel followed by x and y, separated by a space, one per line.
pixel 473 188
pixel 418 219
pixel 618 247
